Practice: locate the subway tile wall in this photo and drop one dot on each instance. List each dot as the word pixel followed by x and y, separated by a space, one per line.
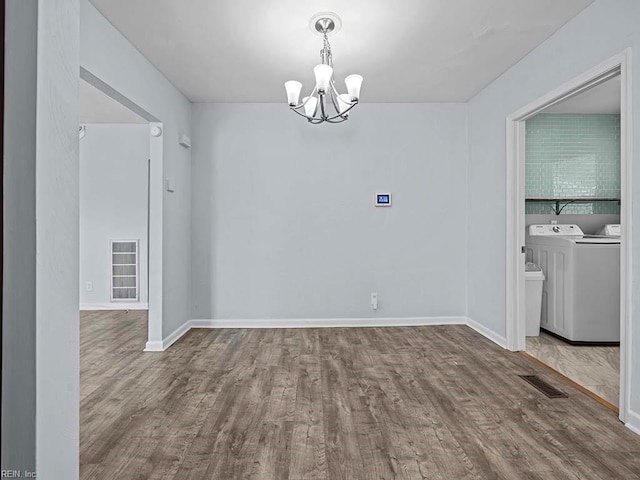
pixel 573 155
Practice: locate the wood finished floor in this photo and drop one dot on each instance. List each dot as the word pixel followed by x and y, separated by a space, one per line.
pixel 356 404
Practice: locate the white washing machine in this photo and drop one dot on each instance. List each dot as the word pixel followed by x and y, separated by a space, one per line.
pixel 581 292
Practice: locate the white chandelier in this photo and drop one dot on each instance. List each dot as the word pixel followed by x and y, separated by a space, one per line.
pixel 325 104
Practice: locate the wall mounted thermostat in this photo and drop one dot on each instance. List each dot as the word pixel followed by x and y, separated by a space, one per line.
pixel 383 199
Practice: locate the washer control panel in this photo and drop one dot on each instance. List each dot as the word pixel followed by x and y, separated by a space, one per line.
pixel 555 230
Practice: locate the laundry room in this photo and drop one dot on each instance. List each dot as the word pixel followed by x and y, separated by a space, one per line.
pixel 572 238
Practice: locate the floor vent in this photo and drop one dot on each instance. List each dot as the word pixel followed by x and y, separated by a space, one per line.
pixel 549 390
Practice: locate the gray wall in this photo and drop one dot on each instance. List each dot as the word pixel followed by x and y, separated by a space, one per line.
pixel 601 31
pixel 19 286
pixel 107 55
pixel 41 388
pixel 57 241
pixel 113 204
pixel 283 219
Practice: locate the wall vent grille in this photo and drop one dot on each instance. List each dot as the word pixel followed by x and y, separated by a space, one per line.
pixel 124 271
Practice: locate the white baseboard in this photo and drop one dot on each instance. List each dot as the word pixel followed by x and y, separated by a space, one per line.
pixel 633 422
pixel 115 306
pixel 484 331
pixel 160 346
pixel 173 337
pixel 154 347
pixel 328 322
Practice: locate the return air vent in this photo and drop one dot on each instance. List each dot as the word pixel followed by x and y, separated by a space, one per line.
pixel 124 270
pixel 546 388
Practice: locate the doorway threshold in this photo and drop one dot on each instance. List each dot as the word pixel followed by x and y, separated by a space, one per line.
pixel 575 385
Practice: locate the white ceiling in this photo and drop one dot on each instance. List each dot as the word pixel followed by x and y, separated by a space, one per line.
pixel 604 98
pixel 97 107
pixel 407 51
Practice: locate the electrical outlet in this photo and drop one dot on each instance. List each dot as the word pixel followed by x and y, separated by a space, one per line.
pixel 89 286
pixel 374 300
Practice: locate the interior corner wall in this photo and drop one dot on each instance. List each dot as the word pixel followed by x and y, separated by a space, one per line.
pixel 40 374
pixel 19 256
pixel 602 30
pixel 114 163
pixel 284 222
pixel 40 424
pixel 110 57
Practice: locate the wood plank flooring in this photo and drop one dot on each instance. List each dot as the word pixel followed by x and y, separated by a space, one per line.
pixel 330 404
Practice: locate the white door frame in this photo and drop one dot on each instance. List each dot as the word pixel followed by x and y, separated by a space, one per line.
pixel 516 207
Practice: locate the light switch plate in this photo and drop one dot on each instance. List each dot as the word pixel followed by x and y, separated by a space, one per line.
pixel 170 184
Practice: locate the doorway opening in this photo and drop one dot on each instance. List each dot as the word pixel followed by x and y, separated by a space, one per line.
pixel 569 181
pixel 114 211
pixel 121 193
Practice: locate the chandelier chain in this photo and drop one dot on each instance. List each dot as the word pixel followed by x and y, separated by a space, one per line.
pixel 325 53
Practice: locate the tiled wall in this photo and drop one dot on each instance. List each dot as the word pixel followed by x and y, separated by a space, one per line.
pixel 571 155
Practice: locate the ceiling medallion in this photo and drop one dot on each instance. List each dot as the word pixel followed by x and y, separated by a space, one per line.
pixel 325 104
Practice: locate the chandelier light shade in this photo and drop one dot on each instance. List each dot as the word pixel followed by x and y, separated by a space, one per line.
pixel 354 83
pixel 310 104
pixel 323 75
pixel 293 91
pixel 325 103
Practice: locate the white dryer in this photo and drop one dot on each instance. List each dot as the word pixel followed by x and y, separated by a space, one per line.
pixel 611 230
pixel 581 293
